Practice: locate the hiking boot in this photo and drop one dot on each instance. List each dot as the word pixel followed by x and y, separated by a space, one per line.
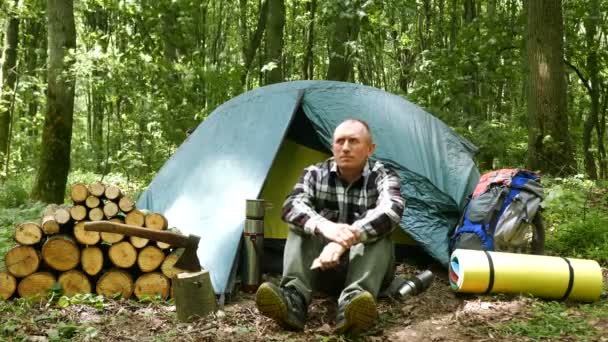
pixel 283 304
pixel 357 313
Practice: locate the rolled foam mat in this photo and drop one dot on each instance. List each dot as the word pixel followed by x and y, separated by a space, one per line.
pixel 542 276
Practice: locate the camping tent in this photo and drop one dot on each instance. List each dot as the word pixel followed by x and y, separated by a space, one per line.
pixel 256 145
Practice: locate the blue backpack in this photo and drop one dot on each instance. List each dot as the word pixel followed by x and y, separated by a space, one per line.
pixel 499 215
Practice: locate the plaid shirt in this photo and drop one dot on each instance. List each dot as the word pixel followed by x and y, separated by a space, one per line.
pixel 373 203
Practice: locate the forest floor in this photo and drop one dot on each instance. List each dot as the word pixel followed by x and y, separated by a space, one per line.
pixel 438 314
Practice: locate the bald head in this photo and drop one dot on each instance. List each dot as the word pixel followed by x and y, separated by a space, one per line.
pixel 352 146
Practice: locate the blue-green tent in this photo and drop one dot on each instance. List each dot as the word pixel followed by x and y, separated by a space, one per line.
pixel 256 145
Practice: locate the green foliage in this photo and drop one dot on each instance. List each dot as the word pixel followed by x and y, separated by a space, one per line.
pixel 96 301
pixel 576 218
pixel 13 193
pixel 553 320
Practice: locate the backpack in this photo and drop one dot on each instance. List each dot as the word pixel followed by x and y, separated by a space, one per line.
pixel 500 211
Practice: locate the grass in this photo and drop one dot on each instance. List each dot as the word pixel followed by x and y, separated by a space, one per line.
pixel 554 320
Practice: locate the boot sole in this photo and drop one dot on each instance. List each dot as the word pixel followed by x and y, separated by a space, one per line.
pixel 360 314
pixel 270 303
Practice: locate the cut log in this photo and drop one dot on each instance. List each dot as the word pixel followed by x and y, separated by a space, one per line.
pixel 97 189
pixel 168 268
pixel 85 237
pixel 126 204
pixel 138 242
pixel 74 282
pixel 78 212
pixel 110 209
pixel 22 261
pixel 135 218
pixel 37 284
pixel 155 221
pixel 123 254
pixel 113 192
pixel 8 285
pixel 91 259
pixel 150 258
pixel 28 233
pixel 96 214
pixel 115 282
pixel 113 237
pixel 92 202
pixel 79 192
pixel 61 252
pixel 153 284
pixel 50 225
pixel 62 215
pixel 163 245
pixel 194 296
pixel 50 209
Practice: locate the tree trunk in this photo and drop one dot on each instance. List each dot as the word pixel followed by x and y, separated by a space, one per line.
pixel 549 147
pixel 591 121
pixel 274 40
pixel 308 65
pixel 54 163
pixel 601 130
pixel 8 77
pixel 253 43
pixel 346 29
pixel 453 23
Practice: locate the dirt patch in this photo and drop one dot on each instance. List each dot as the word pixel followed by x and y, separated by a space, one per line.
pixel 438 314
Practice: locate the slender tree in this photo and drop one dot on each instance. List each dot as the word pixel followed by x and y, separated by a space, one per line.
pixel 549 147
pixel 54 164
pixel 346 29
pixel 591 121
pixel 8 77
pixel 274 40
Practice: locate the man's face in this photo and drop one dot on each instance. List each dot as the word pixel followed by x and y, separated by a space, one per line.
pixel 352 146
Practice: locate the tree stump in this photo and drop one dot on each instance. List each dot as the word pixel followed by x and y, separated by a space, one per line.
pixel 115 282
pixel 152 284
pixel 61 252
pixel 193 294
pixel 74 282
pixel 8 285
pixel 85 237
pixel 28 233
pixel 91 259
pixel 22 261
pixel 123 254
pixel 36 284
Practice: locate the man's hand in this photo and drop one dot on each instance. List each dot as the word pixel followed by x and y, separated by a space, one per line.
pixel 329 257
pixel 341 233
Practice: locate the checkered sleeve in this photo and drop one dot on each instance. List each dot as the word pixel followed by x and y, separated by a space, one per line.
pixel 381 220
pixel 298 209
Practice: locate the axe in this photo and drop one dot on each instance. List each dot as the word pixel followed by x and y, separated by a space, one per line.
pixel 187 261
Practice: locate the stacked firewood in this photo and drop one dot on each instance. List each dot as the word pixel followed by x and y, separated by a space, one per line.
pixel 58 250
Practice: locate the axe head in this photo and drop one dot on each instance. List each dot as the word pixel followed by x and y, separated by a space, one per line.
pixel 189 260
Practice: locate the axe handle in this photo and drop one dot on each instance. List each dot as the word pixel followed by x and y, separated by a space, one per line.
pixel 176 240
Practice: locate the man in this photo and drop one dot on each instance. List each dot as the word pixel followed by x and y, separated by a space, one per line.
pixel 340 214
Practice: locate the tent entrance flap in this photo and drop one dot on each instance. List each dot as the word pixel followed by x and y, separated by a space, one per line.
pixel 203 187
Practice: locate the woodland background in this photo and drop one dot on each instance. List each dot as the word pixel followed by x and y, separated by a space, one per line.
pixel 107 89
